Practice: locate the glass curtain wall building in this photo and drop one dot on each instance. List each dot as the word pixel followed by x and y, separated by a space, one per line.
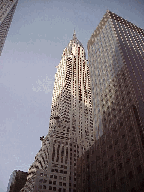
pixel 116 62
pixel 7 9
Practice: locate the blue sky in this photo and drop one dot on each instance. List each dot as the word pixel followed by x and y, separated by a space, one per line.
pixel 39 32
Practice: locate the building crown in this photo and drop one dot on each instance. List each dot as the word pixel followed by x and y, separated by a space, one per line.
pixel 76 42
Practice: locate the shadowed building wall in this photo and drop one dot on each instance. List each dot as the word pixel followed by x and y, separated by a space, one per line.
pixel 17 181
pixel 116 58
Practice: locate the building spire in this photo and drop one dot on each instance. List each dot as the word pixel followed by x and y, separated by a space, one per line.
pixel 74 31
pixel 74 34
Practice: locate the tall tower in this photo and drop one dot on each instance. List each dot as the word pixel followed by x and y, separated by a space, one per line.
pixel 7 9
pixel 70 128
pixel 116 58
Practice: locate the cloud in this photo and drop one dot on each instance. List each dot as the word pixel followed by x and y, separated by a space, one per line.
pixel 46 85
pixel 6 127
pixel 23 167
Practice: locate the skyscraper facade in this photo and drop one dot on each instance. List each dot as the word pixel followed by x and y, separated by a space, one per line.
pixel 116 60
pixel 116 53
pixel 11 180
pixel 7 9
pixel 70 128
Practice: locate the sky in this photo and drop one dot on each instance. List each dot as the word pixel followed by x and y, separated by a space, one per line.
pixel 39 32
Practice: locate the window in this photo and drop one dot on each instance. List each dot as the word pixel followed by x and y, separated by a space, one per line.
pixel 116 142
pixel 50 188
pixel 142 185
pixel 44 186
pixel 130 100
pixel 114 130
pixel 133 140
pixel 125 147
pixel 60 183
pixel 128 160
pixel 114 186
pixel 139 169
pixel 54 182
pixel 136 154
pixel 133 189
pixel 107 189
pixel 106 177
pixel 113 171
pixel 111 158
pixel 44 181
pixel 130 175
pixel 120 166
pixel 105 163
pixel 118 153
pixel 104 152
pixel 122 180
pixel 123 136
pixel 40 186
pixel 41 180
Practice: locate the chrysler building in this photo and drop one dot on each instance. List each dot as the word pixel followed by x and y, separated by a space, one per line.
pixel 70 127
pixel 7 9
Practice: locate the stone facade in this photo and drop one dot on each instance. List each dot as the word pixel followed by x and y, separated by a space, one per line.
pixel 17 181
pixel 116 160
pixel 70 128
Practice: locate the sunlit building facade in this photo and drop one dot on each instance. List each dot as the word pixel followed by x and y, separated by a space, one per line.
pixel 116 61
pixel 70 128
pixel 7 9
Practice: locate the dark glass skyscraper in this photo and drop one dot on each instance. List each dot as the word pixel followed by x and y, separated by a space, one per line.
pixel 7 9
pixel 116 61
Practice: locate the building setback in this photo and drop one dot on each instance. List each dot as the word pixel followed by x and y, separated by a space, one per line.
pixel 7 9
pixel 116 61
pixel 70 128
pixel 17 181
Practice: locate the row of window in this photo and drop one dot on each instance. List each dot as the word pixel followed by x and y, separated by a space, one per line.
pixel 54 189
pixel 130 174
